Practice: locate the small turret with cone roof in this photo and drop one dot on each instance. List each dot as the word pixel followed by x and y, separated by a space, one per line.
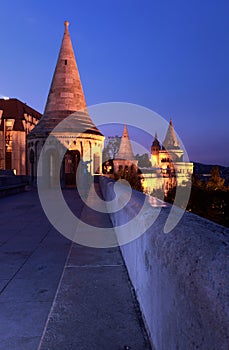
pixel 171 140
pixel 125 160
pixel 155 148
pixel 125 149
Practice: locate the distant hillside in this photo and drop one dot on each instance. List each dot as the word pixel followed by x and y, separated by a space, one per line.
pixel 205 169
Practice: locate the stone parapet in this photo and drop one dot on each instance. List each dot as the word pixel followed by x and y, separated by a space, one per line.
pixel 180 278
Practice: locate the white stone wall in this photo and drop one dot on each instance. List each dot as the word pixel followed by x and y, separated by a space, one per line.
pixel 180 279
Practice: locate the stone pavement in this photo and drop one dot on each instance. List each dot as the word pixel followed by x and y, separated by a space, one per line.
pixel 58 295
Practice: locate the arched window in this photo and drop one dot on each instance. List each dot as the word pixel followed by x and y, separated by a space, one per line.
pixel 96 163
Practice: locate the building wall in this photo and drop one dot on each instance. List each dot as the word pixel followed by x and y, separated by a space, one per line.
pixel 2 151
pixel 154 181
pixel 161 179
pixel 173 170
pixel 13 144
pixel 19 152
pixel 122 164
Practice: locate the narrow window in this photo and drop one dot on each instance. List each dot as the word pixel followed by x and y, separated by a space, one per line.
pixel 66 62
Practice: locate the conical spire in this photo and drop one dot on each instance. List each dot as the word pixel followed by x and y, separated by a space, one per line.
pixel 66 94
pixel 156 143
pixel 171 140
pixel 125 149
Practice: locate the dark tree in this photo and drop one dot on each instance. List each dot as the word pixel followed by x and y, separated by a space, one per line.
pixel 133 177
pixel 143 160
pixel 112 148
pixel 215 182
pixel 158 193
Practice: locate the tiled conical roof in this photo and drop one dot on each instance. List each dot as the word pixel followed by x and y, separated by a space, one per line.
pixel 66 94
pixel 125 149
pixel 171 140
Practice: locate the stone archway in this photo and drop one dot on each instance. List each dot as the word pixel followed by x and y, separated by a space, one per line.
pixel 71 162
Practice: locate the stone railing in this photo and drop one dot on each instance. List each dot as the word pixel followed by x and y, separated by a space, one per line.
pixel 181 278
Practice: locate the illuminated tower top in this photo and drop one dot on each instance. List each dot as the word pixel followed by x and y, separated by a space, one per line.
pixel 125 149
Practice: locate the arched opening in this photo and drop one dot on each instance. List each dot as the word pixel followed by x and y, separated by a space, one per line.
pixel 49 169
pixel 96 163
pixel 71 162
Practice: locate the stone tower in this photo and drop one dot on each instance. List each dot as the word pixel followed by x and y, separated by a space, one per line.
pixel 168 164
pixel 77 134
pixel 171 141
pixel 125 160
pixel 66 93
pixel 125 149
pixel 171 146
pixel 155 148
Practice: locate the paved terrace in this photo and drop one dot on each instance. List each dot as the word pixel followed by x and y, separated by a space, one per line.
pixel 59 295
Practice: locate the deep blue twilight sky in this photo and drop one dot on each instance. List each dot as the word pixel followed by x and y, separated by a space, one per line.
pixel 169 56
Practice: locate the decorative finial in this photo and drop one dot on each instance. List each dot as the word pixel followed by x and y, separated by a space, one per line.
pixel 66 23
pixel 125 132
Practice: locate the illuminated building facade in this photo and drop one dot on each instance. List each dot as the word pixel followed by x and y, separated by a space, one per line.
pixel 17 119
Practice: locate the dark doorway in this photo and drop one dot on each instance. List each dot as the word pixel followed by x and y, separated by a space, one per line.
pixel 31 159
pixel 72 159
pixel 8 160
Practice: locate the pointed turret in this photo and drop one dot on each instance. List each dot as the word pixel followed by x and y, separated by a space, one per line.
pixel 156 143
pixel 155 149
pixel 66 94
pixel 171 141
pixel 125 149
